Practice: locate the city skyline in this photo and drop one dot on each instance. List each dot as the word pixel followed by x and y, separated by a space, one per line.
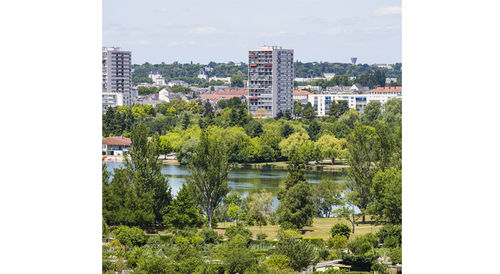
pixel 321 31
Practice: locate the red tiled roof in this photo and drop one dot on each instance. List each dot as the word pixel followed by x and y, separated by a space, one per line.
pixel 232 92
pixel 117 141
pixel 301 92
pixel 387 89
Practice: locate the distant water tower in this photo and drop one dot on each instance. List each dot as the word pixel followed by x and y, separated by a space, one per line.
pixel 353 60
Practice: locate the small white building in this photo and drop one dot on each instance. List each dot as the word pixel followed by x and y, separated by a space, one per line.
pixel 178 82
pixel 223 79
pixel 163 95
pixel 301 96
pixel 329 76
pixel 312 88
pixel 390 80
pixel 116 145
pixel 203 75
pixel 321 102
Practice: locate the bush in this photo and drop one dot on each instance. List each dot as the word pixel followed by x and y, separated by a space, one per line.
pixel 314 241
pixel 237 229
pixel 339 241
pixel 363 243
pixel 340 229
pixel 323 254
pixel 154 264
pixel 209 236
pixel 332 256
pixel 278 261
pixel 380 268
pixel 154 241
pixel 359 262
pixel 396 256
pixel 130 236
pixel 301 253
pixel 390 235
pixel 134 256
pixel 261 236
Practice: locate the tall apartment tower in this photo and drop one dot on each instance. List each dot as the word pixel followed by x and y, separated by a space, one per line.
pixel 270 81
pixel 116 77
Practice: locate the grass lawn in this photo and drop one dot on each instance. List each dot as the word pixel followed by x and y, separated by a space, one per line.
pixel 320 228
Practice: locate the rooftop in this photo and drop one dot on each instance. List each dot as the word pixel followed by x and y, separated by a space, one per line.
pixel 117 140
pixel 386 89
pixel 301 92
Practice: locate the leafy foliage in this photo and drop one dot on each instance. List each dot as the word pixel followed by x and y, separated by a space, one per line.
pixel 340 229
pixel 130 236
pixel 182 212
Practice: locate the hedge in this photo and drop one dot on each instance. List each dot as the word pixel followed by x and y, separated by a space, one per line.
pixel 314 241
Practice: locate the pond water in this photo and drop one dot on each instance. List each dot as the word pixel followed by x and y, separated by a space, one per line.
pixel 244 181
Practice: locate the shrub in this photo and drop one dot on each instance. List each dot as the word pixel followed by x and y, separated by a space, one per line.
pixel 314 241
pixel 130 236
pixel 339 241
pixel 332 256
pixel 364 247
pixel 340 229
pixel 380 268
pixel 390 235
pixel 134 256
pixel 261 236
pixel 323 254
pixel 154 264
pixel 209 236
pixel 358 245
pixel 278 261
pixel 359 262
pixel 396 256
pixel 237 229
pixel 154 241
pixel 301 253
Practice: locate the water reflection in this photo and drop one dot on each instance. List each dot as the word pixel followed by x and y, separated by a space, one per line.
pixel 244 180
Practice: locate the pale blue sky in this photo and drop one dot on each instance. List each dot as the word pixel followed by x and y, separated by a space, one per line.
pixel 223 30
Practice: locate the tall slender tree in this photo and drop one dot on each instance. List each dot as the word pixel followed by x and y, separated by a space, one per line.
pixel 209 170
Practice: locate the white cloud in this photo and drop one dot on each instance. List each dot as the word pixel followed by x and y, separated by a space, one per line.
pixel 143 42
pixel 394 10
pixel 333 31
pixel 273 34
pixel 181 42
pixel 203 30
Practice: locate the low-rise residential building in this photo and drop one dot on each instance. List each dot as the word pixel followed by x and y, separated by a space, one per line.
pixel 203 75
pixel 311 88
pixel 390 80
pixel 226 94
pixel 114 99
pixel 178 82
pixel 328 76
pixel 116 145
pixel 321 102
pixel 387 91
pixel 301 96
pixel 223 79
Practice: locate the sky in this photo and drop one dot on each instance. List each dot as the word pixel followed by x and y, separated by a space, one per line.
pixel 224 30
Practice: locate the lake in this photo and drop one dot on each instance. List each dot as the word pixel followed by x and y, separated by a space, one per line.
pixel 244 181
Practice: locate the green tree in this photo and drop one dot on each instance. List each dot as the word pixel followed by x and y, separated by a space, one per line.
pixel 361 158
pixel 340 229
pixel 337 108
pixel 297 108
pixel 330 147
pixel 182 212
pixel 237 81
pixel 314 129
pixel 260 207
pixel 308 112
pixel 300 253
pixel 372 111
pixel 130 236
pixel 387 192
pixel 209 169
pixel 233 211
pixel 235 255
pixel 151 185
pixel 326 196
pixel 349 118
pixel 296 209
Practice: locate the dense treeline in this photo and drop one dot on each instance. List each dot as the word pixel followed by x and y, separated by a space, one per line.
pixel 207 140
pixel 189 72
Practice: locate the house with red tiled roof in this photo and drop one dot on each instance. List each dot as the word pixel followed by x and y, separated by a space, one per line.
pixel 116 145
pixel 301 96
pixel 226 94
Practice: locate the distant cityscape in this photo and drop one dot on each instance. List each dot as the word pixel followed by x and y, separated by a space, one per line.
pixel 269 90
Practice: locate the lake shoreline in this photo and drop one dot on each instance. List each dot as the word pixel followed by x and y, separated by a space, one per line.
pixel 338 167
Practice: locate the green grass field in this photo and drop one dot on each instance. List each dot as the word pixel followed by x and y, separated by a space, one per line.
pixel 320 228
